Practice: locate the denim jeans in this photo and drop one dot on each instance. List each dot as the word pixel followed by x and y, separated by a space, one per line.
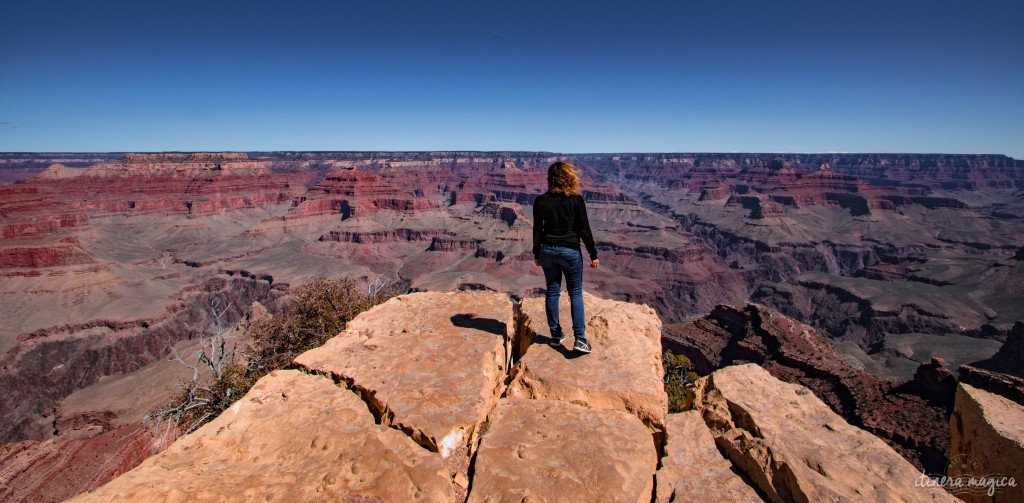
pixel 557 261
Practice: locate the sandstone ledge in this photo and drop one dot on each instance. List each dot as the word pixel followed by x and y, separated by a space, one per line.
pixel 794 448
pixel 293 437
pixel 400 404
pixel 988 441
pixel 623 373
pixel 396 405
pixel 693 467
pixel 546 450
pixel 432 364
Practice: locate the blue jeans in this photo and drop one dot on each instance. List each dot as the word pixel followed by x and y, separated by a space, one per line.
pixel 557 261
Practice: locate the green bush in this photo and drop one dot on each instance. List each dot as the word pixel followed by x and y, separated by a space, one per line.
pixel 679 375
pixel 319 310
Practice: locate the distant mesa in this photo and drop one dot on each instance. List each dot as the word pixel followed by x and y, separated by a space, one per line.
pixel 188 158
pixel 173 164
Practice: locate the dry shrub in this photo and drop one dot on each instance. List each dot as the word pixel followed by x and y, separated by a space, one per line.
pixel 319 310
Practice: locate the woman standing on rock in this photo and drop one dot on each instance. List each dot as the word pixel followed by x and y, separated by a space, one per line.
pixel 559 223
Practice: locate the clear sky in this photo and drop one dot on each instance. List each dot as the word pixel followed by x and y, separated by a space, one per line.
pixel 588 76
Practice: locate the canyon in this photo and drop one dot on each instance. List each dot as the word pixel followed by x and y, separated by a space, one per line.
pixel 905 267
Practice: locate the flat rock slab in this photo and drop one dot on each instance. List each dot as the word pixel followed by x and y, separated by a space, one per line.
pixel 431 363
pixel 694 467
pixel 545 450
pixel 987 441
pixel 794 448
pixel 293 437
pixel 622 373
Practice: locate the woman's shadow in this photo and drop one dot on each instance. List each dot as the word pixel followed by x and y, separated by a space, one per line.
pixel 493 326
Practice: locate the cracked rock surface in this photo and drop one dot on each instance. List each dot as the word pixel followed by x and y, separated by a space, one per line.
pixel 431 364
pixel 623 373
pixel 293 437
pixel 546 450
pixel 416 401
pixel 794 448
pixel 693 465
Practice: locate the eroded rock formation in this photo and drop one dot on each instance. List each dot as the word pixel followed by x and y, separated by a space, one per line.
pixel 694 466
pixel 1003 373
pixel 415 401
pixel 861 246
pixel 794 448
pixel 911 420
pixel 100 431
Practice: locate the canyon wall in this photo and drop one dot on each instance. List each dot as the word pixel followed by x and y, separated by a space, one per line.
pixel 109 260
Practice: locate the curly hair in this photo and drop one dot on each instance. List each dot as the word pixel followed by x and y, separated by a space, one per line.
pixel 562 179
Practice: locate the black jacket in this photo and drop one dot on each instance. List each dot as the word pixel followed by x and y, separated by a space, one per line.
pixel 561 220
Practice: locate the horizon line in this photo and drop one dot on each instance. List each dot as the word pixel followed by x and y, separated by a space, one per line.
pixel 652 152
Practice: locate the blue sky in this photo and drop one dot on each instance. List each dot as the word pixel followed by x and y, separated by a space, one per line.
pixel 596 76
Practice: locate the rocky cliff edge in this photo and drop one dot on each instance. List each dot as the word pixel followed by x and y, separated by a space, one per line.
pixel 457 396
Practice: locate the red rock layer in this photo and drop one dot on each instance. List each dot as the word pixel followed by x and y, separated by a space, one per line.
pixel 908 171
pixel 194 184
pixel 350 192
pixel 57 470
pixel 39 215
pixel 766 191
pixel 36 230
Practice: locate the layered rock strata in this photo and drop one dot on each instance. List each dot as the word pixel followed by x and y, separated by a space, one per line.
pixel 193 184
pixel 1003 373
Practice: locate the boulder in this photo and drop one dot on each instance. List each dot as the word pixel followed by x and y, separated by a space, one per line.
pixel 546 450
pixel 431 364
pixel 934 381
pixel 622 373
pixel 987 446
pixel 693 467
pixel 794 448
pixel 293 437
pixel 912 417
